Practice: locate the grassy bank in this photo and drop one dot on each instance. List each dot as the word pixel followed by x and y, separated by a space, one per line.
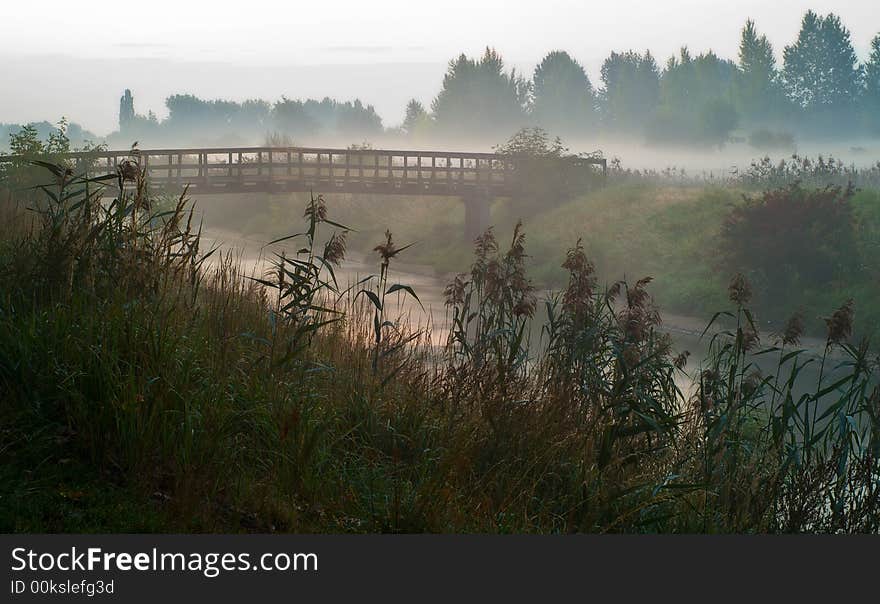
pixel 144 389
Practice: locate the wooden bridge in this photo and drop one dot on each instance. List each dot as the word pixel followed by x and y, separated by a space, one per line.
pixel 475 177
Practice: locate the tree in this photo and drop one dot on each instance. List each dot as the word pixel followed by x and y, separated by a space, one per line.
pixel 252 115
pixel 718 118
pixel 563 97
pixel 480 98
pixel 696 100
pixel 291 118
pixel 188 114
pixel 132 127
pixel 872 85
pixel 544 169
pixel 356 120
pixel 351 119
pixel 126 110
pixel 37 141
pixel 417 120
pixel 820 69
pixel 758 93
pixel 631 89
pixel 532 143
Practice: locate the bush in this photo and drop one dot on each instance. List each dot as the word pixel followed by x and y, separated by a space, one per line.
pixel 22 176
pixel 546 170
pixel 791 238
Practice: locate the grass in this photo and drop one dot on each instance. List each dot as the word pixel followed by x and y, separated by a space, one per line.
pixel 147 384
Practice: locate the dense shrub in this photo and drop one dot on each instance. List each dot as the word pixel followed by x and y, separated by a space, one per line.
pixel 792 238
pixel 546 170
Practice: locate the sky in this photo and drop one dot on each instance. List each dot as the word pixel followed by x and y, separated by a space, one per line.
pixel 75 58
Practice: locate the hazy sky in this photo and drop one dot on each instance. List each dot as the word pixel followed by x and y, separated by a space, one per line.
pixel 74 58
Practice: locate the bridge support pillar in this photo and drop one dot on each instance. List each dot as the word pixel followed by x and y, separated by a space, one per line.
pixel 476 214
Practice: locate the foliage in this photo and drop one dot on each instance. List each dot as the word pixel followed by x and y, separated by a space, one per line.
pixel 758 89
pixel 820 90
pixel 792 238
pixel 695 100
pixel 491 309
pixel 818 171
pixel 563 99
pixel 417 122
pixel 872 85
pixel 23 176
pixel 545 169
pixel 631 89
pixel 77 136
pixel 126 110
pixel 298 283
pixel 290 118
pixel 718 118
pixel 184 393
pixel 821 70
pixel 479 98
pixel 534 143
pixel 771 455
pixel 193 119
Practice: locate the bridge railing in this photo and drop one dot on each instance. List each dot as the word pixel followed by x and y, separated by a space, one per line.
pixel 323 169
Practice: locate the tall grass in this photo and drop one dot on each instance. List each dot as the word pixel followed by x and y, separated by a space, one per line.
pixel 820 171
pixel 228 401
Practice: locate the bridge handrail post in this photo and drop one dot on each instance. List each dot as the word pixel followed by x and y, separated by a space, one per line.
pixel 270 167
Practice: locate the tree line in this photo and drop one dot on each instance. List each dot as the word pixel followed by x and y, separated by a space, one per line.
pixel 194 119
pixel 820 89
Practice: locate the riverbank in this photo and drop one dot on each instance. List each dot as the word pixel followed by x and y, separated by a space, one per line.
pixel 429 282
pixel 670 233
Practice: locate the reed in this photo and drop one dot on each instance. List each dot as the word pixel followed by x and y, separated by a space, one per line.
pixel 141 372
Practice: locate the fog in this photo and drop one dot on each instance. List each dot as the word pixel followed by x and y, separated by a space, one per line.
pixel 384 54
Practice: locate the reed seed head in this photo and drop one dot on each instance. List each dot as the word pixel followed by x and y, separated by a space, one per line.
pixel 334 250
pixel 793 330
pixel 739 291
pixel 681 360
pixel 386 250
pixel 316 209
pixel 455 291
pixel 840 324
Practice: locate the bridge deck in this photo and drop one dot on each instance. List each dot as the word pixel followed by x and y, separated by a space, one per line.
pixel 270 169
